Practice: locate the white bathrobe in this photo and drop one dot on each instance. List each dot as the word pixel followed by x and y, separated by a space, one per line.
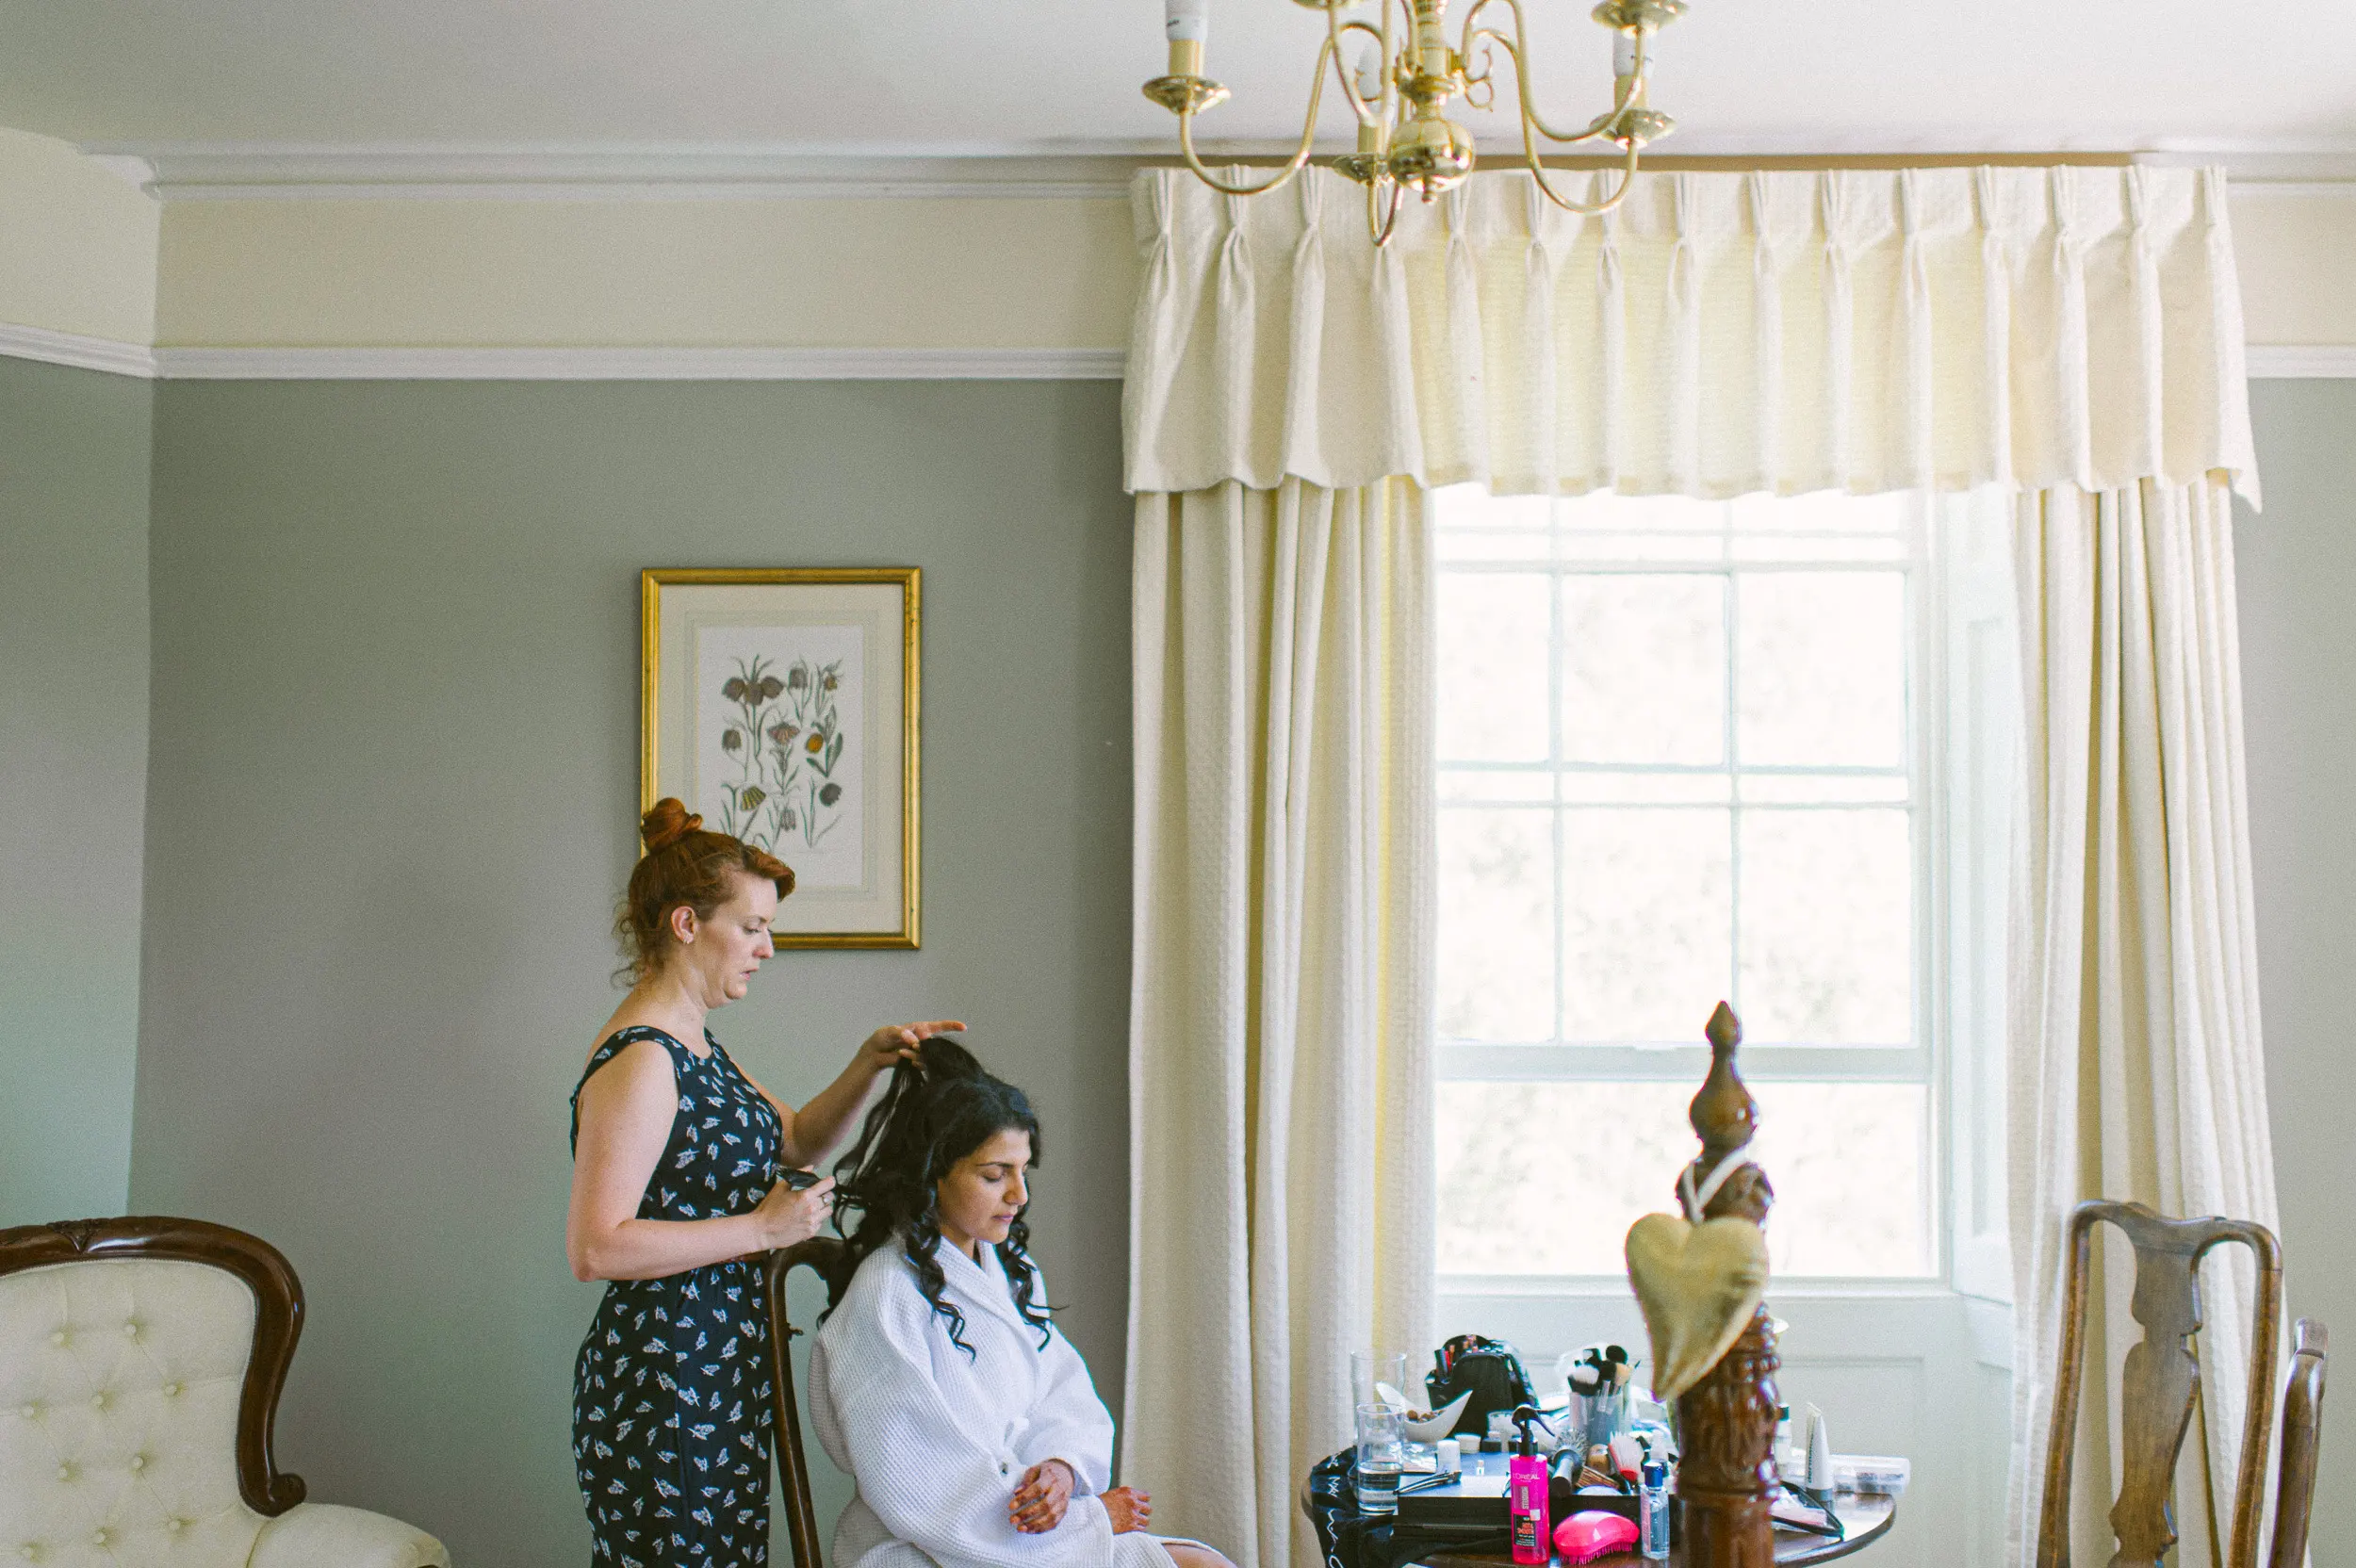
pixel 938 1443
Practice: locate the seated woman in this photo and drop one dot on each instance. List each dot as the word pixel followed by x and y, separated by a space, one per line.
pixel 938 1382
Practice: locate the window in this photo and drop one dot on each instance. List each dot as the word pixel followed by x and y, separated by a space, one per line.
pixel 1691 750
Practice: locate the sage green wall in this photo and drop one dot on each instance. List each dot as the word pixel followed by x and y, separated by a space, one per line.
pixel 394 784
pixel 2297 569
pixel 74 454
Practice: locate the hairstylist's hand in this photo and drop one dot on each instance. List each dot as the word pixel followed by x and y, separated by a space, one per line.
pixel 787 1216
pixel 896 1043
pixel 1041 1500
pixel 1129 1508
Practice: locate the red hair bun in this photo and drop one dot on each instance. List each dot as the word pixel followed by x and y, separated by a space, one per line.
pixel 666 822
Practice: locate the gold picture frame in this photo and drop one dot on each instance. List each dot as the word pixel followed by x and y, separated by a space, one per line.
pixel 766 696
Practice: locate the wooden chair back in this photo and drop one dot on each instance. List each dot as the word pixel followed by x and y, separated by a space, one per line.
pixel 2303 1429
pixel 822 1253
pixel 2160 1378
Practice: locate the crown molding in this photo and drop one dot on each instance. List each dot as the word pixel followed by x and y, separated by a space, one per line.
pixel 2301 361
pixel 2267 361
pixel 266 173
pixel 649 364
pixel 73 348
pixel 1096 171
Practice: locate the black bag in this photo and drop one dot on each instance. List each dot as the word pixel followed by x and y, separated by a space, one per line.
pixel 1489 1369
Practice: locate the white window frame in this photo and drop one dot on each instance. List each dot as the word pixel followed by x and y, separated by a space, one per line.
pixel 1961 692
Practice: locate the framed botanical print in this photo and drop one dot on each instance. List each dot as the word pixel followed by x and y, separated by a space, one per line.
pixel 783 705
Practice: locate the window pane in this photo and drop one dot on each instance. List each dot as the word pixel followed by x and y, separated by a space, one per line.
pixel 1644 547
pixel 1846 1163
pixel 1470 506
pixel 1643 668
pixel 1497 925
pixel 1827 924
pixel 1546 1178
pixel 1514 786
pixel 1493 628
pixel 1646 934
pixel 1619 788
pixel 1821 669
pixel 1826 511
pixel 1824 788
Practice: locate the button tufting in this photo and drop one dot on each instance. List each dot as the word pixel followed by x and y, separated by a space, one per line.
pixel 28 1409
pixel 130 1328
pixel 98 1537
pixel 138 1462
pixel 65 1472
pixel 98 1402
pixel 30 1552
pixel 171 1389
pixel 171 1527
pixel 57 1338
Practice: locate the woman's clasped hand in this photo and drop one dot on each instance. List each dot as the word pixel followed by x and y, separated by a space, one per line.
pixel 1045 1496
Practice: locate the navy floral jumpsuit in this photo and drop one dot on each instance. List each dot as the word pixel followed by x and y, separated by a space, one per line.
pixel 671 1392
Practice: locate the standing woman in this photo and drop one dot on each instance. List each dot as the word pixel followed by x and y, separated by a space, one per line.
pixel 679 1159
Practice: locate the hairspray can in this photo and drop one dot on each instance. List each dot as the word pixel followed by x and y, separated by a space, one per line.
pixel 1526 1496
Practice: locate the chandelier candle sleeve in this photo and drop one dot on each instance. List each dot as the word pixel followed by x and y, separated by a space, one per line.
pixel 1188 25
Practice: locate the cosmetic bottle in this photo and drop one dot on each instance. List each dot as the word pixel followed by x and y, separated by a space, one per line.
pixel 1652 1502
pixel 1526 1496
pixel 1820 1472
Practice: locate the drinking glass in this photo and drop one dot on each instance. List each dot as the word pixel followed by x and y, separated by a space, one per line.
pixel 1372 1371
pixel 1381 1454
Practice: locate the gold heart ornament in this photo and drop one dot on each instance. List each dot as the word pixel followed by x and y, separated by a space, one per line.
pixel 1698 1286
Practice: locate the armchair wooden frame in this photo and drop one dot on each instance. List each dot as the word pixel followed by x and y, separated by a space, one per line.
pixel 277 1315
pixel 823 1254
pixel 2161 1377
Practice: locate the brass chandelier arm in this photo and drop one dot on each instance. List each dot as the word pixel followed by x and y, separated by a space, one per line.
pixel 1326 55
pixel 1379 230
pixel 1625 89
pixel 1577 209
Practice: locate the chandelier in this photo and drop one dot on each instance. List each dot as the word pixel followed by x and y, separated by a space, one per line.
pixel 1398 87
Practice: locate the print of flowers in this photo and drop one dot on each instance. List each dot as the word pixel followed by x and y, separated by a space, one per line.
pixel 786 786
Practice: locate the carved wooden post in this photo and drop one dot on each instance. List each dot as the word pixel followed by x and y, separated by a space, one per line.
pixel 1727 1422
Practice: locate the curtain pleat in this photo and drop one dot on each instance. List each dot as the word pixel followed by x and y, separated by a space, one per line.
pixel 2137 1063
pixel 1281 1017
pixel 1954 327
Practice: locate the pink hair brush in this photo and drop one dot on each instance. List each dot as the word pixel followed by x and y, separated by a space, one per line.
pixel 1584 1537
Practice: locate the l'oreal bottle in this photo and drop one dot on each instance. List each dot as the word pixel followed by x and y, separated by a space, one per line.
pixel 1526 1496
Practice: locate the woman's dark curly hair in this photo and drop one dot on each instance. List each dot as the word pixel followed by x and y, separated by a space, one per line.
pixel 938 1109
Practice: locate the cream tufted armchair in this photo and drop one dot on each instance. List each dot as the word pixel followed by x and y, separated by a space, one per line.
pixel 141 1363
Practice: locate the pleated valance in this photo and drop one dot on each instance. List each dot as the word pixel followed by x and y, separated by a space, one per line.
pixel 1719 334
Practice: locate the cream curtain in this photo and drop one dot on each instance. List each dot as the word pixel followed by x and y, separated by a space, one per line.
pixel 1292 393
pixel 1718 333
pixel 1279 1061
pixel 2136 1071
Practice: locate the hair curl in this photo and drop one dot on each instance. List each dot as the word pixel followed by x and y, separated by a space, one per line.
pixel 683 867
pixel 937 1110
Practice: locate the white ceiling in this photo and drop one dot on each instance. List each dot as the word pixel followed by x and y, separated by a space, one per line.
pixel 1039 76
